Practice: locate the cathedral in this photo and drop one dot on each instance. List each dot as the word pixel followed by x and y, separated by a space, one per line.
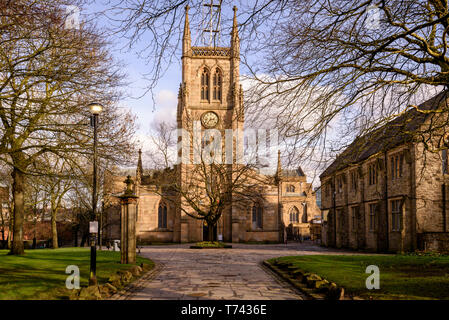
pixel 210 94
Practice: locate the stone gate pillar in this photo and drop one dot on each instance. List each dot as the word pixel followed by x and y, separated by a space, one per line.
pixel 128 203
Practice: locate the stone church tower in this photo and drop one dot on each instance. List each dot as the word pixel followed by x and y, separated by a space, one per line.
pixel 211 95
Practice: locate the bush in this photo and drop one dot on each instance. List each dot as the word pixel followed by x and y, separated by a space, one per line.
pixel 210 244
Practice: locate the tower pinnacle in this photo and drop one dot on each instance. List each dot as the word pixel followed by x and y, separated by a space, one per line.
pixel 139 170
pixel 235 40
pixel 186 38
pixel 279 168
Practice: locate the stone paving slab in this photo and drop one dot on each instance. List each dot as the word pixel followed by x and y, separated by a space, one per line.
pixel 232 274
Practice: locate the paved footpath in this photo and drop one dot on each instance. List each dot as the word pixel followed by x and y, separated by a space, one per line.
pixel 237 273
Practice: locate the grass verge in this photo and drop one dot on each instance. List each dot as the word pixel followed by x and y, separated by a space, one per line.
pixel 40 274
pixel 401 276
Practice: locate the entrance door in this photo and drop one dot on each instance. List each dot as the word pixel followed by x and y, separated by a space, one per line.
pixel 206 233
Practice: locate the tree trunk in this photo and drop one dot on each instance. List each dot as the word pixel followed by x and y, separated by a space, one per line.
pixel 11 224
pixel 210 231
pixel 75 234
pixel 3 227
pixel 35 231
pixel 17 187
pixel 84 239
pixel 54 229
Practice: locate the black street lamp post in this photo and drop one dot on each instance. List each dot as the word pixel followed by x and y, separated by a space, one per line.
pixel 95 109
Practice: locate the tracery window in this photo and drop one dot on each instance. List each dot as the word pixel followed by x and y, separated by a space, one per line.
pixel 294 215
pixel 217 85
pixel 205 84
pixel 162 216
pixel 257 217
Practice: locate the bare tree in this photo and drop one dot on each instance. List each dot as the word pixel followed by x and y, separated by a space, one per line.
pixel 5 210
pixel 50 187
pixel 49 74
pixel 332 70
pixel 205 190
pixel 163 138
pixel 35 202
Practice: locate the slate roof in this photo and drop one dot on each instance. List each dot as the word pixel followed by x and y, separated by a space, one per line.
pixel 293 173
pixel 155 176
pixel 396 132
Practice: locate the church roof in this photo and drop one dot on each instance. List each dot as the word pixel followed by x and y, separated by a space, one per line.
pixel 157 177
pixel 146 180
pixel 400 130
pixel 293 173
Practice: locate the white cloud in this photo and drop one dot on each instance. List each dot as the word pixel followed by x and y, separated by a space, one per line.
pixel 166 103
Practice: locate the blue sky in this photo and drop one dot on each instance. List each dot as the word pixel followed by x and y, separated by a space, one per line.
pixel 140 102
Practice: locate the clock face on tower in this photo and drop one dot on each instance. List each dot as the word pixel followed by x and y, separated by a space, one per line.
pixel 209 119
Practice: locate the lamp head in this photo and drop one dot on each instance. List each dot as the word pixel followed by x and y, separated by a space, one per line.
pixel 95 108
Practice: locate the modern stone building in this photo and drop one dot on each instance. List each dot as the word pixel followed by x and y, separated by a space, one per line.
pixel 388 190
pixel 210 93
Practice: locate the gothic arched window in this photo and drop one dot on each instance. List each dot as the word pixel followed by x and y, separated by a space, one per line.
pixel 290 188
pixel 205 84
pixel 294 215
pixel 257 217
pixel 162 216
pixel 217 85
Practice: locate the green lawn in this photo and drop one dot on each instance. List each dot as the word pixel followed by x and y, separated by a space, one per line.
pixel 401 276
pixel 40 274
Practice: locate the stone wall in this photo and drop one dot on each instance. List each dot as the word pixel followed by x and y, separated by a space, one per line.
pixel 429 197
pixel 421 187
pixel 434 241
pixel 359 195
pixel 236 222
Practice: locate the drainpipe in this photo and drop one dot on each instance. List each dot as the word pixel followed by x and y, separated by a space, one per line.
pixel 387 235
pixel 412 168
pixel 443 189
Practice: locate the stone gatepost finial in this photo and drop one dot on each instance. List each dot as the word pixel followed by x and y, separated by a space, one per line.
pixel 128 214
pixel 129 182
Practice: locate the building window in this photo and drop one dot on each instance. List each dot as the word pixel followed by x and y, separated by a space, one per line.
pixel 372 174
pixel 354 214
pixel 396 215
pixel 257 217
pixel 354 180
pixel 290 188
pixel 294 215
pixel 205 84
pixel 340 184
pixel 396 166
pixel 444 161
pixel 217 85
pixel 162 217
pixel 372 217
